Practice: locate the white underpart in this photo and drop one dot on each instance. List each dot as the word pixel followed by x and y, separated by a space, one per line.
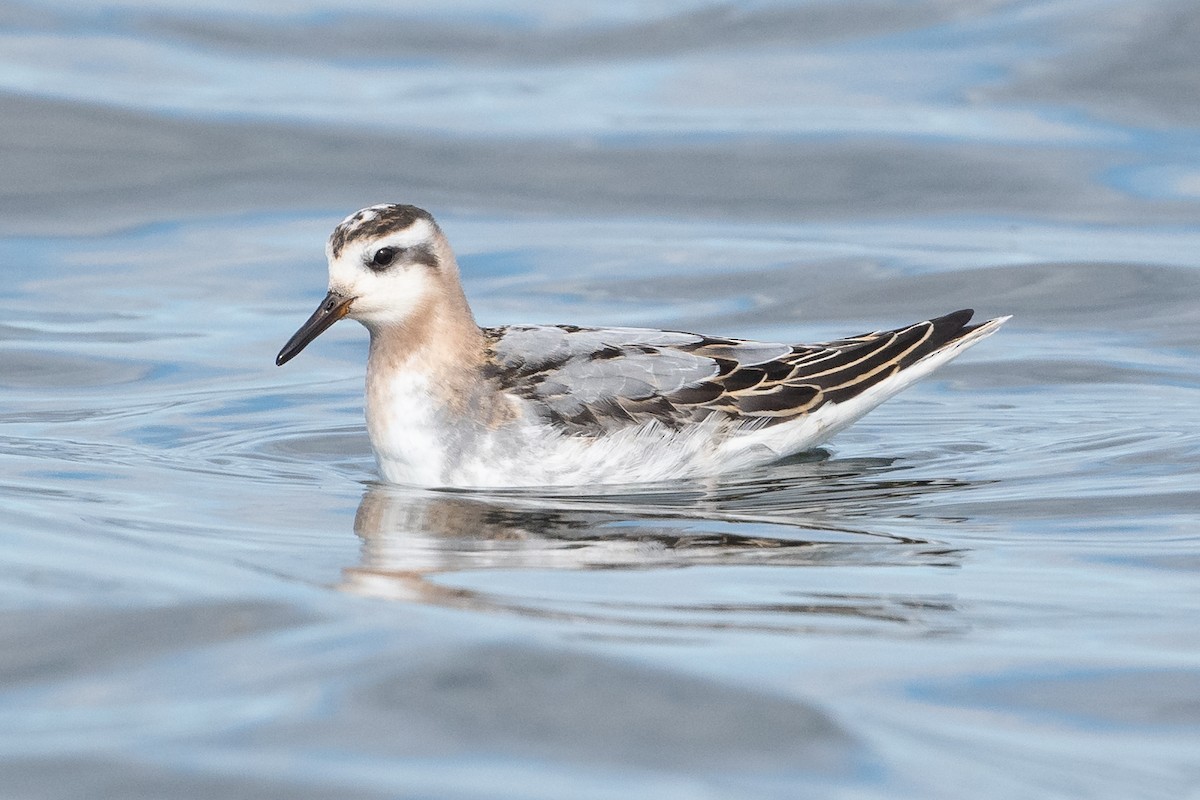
pixel 416 443
pixel 402 422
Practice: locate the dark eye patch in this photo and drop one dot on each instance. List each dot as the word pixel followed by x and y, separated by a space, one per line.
pixel 423 254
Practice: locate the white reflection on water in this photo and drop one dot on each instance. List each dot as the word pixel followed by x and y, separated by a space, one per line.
pixel 801 514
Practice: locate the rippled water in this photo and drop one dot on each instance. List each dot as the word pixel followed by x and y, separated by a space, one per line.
pixel 987 588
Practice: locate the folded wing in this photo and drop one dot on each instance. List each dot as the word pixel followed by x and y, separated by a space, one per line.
pixel 593 380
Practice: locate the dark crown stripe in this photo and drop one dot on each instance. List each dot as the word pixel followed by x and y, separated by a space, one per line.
pixel 370 223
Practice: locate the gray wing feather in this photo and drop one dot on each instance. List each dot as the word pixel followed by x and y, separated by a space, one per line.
pixel 747 354
pixel 590 376
pixel 543 345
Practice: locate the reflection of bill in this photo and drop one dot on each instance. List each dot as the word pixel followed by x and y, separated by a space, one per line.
pixel 414 541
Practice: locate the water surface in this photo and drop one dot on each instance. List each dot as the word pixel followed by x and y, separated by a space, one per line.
pixel 986 588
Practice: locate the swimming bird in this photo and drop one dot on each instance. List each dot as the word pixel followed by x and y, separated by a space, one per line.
pixel 451 404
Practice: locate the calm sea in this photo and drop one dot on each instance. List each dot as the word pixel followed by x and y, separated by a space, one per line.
pixel 989 588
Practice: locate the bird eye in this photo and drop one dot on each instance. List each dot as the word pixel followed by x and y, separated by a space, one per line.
pixel 383 256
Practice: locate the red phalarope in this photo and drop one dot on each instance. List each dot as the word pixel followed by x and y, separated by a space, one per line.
pixel 451 404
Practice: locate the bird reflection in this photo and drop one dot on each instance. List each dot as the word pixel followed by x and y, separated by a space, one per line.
pixel 418 543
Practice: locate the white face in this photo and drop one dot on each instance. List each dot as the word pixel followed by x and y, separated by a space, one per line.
pixel 389 275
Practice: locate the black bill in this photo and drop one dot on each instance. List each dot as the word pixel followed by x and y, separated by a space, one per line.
pixel 332 308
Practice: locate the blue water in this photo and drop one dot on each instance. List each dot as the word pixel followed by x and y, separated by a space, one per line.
pixel 989 587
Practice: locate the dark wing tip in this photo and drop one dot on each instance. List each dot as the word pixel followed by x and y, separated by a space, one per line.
pixel 949 327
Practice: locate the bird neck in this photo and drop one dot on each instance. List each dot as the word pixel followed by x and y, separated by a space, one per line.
pixel 439 339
